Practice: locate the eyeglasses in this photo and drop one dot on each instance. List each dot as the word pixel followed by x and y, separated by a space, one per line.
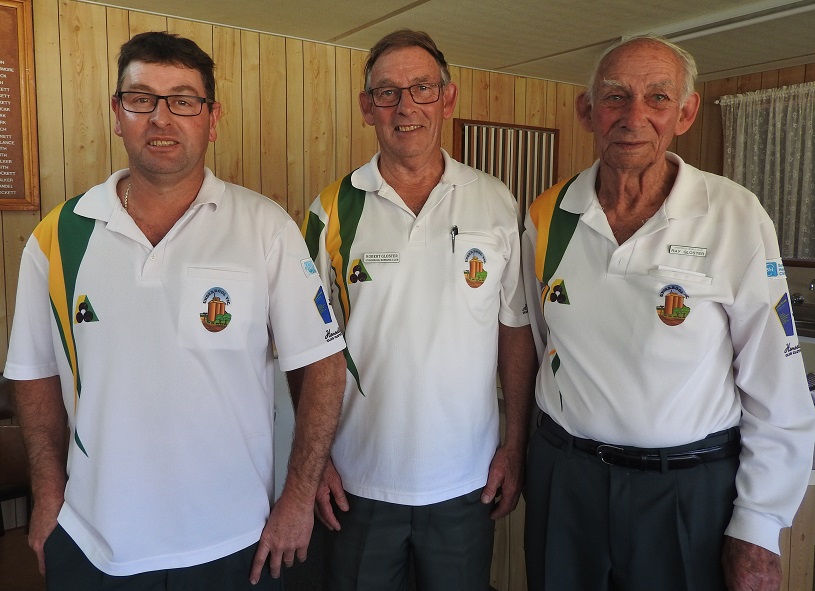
pixel 422 94
pixel 179 104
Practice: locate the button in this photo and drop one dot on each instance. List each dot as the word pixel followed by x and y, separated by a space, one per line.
pixel 152 257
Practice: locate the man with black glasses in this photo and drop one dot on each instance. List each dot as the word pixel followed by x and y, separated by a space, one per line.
pixel 422 256
pixel 144 319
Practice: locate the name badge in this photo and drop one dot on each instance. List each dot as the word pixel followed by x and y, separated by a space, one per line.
pixel 690 251
pixel 380 257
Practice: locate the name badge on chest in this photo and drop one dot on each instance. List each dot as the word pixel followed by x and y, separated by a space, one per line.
pixel 380 257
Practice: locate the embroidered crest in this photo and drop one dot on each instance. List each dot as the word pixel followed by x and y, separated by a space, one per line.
pixel 216 318
pixel 674 310
pixel 475 275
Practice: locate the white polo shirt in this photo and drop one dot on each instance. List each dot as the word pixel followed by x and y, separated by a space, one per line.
pixel 165 359
pixel 681 331
pixel 420 315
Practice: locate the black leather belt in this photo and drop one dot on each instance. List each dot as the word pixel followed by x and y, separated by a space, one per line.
pixel 717 446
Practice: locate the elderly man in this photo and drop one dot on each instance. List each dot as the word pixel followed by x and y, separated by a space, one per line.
pixel 144 323
pixel 676 432
pixel 422 255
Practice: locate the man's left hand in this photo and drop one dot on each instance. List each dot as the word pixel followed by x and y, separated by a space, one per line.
pixel 504 482
pixel 286 535
pixel 748 567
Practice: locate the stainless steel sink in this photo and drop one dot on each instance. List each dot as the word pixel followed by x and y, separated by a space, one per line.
pixel 804 315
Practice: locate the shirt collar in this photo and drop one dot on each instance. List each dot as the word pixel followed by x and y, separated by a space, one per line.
pixel 688 197
pixel 102 202
pixel 368 177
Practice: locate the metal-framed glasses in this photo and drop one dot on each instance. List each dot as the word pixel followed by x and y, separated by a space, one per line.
pixel 145 102
pixel 422 94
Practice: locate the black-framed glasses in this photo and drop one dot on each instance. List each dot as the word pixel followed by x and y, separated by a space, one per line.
pixel 422 94
pixel 145 102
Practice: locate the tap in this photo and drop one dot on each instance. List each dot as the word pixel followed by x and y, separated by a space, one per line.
pixel 797 299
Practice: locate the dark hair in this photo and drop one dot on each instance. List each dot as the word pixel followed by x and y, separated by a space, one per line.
pixel 405 38
pixel 158 47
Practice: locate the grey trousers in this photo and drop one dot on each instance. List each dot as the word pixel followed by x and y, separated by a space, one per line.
pixel 450 544
pixel 595 527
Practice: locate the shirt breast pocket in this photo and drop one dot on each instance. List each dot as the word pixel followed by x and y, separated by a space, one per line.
pixel 480 266
pixel 217 309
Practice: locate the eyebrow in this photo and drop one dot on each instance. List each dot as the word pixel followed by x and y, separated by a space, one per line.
pixel 662 85
pixel 416 80
pixel 182 89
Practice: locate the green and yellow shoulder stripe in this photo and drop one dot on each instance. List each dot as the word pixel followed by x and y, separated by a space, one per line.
pixel 555 228
pixel 63 238
pixel 334 218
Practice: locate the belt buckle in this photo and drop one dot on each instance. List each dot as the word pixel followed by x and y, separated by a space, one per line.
pixel 605 448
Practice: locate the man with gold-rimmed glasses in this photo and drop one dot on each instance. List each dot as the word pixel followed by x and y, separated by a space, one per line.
pixel 421 254
pixel 144 319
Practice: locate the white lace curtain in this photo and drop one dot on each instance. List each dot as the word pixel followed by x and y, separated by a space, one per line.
pixel 769 147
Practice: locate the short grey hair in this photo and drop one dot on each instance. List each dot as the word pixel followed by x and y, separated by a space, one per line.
pixel 685 59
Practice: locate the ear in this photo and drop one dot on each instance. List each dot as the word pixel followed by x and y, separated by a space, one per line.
pixel 450 98
pixel 214 115
pixel 583 109
pixel 115 107
pixel 687 113
pixel 366 105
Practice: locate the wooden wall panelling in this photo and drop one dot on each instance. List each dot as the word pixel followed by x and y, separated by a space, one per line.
pixel 250 106
pixel 319 109
pixel 118 32
pixel 564 122
pixel 274 166
pixel 689 144
pixel 202 35
pixel 83 47
pixel 749 82
pixel 791 75
pixel 536 94
pixel 809 76
pixel 517 560
pixel 802 545
pixel 711 138
pixel 363 137
pixel 48 67
pixel 480 95
pixel 502 97
pixel 519 117
pixel 295 188
pixel 228 146
pixel 769 79
pixel 447 127
pixel 344 104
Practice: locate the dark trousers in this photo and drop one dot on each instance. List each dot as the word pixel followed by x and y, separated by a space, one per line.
pixel 595 527
pixel 450 544
pixel 67 569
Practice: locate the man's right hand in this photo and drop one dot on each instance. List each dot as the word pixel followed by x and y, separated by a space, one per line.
pixel 43 522
pixel 330 484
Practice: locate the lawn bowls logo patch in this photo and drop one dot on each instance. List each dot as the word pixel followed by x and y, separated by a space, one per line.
pixel 216 318
pixel 674 310
pixel 84 311
pixel 475 276
pixel 358 272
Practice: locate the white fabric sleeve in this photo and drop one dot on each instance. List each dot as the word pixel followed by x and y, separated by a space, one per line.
pixel 778 417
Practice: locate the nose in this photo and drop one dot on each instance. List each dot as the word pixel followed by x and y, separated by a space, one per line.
pixel 405 99
pixel 162 112
pixel 634 114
